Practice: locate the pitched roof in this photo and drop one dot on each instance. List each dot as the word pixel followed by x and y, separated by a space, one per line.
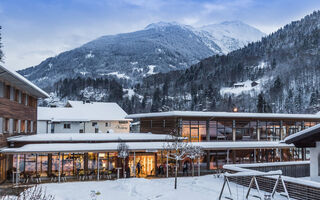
pixel 224 114
pixel 21 82
pixel 80 111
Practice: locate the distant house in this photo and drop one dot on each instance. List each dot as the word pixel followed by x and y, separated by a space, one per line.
pixel 238 85
pixel 83 117
pixel 253 84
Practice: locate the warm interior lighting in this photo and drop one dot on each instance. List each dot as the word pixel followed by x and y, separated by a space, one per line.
pixel 235 109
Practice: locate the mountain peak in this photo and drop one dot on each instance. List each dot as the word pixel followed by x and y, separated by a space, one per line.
pixel 162 24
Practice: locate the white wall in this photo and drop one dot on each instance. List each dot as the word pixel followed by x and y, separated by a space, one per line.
pixel 59 127
pixel 113 126
pixel 314 167
pixel 42 127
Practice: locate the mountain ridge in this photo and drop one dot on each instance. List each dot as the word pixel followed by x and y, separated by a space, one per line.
pixel 160 47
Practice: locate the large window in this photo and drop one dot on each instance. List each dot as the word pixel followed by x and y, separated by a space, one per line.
pixel 42 164
pixel 224 130
pixel 194 131
pixel 270 131
pixel 246 130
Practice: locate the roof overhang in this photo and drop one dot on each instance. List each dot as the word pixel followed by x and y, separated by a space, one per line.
pixel 22 83
pixel 305 138
pixel 137 147
pixel 200 114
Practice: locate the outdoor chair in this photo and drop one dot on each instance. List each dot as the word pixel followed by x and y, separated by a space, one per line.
pixel 36 177
pixel 108 174
pixel 53 177
pixel 63 177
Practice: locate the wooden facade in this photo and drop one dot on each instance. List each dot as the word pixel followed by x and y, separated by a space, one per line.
pixel 18 111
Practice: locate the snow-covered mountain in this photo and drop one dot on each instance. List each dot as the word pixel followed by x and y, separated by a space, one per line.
pixel 160 47
pixel 230 35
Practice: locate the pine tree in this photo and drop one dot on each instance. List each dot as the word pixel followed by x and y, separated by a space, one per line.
pixel 260 104
pixel 156 101
pixel 144 101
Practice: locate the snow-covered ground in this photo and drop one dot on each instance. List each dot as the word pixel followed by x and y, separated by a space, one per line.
pixel 204 187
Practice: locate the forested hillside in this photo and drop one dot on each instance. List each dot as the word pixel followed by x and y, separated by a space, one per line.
pixel 280 73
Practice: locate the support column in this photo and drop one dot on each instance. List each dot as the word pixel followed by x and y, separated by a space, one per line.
pixel 18 169
pixel 98 168
pixel 207 130
pixel 49 164
pixel 258 130
pixel 254 155
pixel 59 176
pixel 199 166
pixel 167 165
pixel 208 160
pixel 134 164
pixel 282 136
pixel 227 156
pixel 234 130
pixel 85 163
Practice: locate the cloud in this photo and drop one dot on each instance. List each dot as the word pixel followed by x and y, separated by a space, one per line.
pixel 34 30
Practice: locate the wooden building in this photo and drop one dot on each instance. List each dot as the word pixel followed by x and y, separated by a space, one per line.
pixel 18 109
pixel 232 127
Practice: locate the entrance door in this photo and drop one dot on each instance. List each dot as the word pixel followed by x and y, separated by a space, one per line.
pixel 147 163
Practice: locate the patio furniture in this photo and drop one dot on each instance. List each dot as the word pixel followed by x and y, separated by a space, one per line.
pixel 54 178
pixel 63 177
pixel 36 178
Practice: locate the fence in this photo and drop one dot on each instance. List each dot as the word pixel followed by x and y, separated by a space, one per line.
pixel 298 188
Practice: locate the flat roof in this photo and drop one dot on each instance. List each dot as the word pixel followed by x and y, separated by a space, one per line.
pixel 137 146
pixel 89 137
pixel 223 115
pixel 21 82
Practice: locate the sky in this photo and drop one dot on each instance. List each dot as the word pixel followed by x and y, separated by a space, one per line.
pixel 33 30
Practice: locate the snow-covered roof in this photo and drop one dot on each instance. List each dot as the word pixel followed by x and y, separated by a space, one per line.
pixel 224 115
pixel 21 82
pixel 136 146
pixel 89 137
pixel 80 111
pixel 302 134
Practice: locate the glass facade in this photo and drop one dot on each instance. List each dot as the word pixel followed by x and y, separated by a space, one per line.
pixel 240 130
pixel 194 131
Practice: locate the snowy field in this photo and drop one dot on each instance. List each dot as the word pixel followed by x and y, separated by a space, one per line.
pixel 205 187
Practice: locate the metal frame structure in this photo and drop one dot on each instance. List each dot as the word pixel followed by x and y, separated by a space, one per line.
pixel 253 182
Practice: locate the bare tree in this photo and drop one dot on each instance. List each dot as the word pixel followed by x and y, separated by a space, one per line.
pixel 194 152
pixel 176 150
pixel 34 193
pixel 123 153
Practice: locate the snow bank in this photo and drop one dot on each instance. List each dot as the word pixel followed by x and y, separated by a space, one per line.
pixel 204 187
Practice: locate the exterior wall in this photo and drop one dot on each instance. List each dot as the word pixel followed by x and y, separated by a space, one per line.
pixel 113 126
pixel 42 127
pixel 314 162
pixel 230 129
pixel 13 111
pixel 59 127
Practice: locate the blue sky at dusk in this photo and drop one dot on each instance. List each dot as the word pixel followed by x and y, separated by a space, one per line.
pixel 36 29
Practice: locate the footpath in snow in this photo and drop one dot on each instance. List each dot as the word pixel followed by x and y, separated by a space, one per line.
pixel 204 187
